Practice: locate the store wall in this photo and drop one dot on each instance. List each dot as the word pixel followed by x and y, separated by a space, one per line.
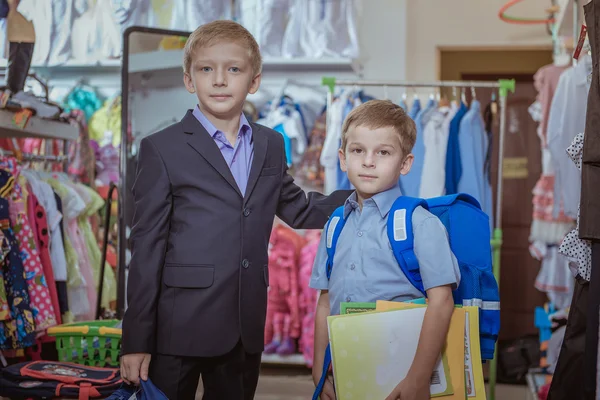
pixel 435 24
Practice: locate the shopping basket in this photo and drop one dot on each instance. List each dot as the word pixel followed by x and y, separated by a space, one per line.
pixel 93 343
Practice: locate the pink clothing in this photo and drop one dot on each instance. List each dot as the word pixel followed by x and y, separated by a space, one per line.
pixel 78 243
pixel 545 81
pixel 308 296
pixel 37 219
pixel 283 308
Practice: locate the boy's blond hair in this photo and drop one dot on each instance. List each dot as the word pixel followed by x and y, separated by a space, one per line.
pixel 377 114
pixel 217 31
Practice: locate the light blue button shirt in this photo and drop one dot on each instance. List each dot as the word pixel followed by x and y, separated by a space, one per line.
pixel 364 267
pixel 411 182
pixel 472 152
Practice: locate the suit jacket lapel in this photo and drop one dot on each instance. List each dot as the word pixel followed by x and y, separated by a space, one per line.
pixel 260 142
pixel 201 141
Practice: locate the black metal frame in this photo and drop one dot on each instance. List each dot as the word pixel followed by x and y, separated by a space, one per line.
pixel 123 191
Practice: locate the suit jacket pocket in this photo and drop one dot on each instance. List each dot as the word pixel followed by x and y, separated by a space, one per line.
pixel 269 171
pixel 189 276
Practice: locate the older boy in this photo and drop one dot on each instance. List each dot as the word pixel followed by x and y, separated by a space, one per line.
pixel 206 193
pixel 377 139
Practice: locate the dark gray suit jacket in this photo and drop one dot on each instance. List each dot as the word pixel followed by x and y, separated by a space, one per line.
pixel 198 275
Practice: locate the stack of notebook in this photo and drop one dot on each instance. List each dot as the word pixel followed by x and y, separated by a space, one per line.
pixel 373 346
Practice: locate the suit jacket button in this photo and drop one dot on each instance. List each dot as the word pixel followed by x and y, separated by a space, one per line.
pixel 245 263
pixel 246 212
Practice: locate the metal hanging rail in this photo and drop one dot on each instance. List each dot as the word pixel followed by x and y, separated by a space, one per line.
pixel 35 157
pixel 504 86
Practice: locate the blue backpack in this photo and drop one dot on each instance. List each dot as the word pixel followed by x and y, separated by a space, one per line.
pixel 469 236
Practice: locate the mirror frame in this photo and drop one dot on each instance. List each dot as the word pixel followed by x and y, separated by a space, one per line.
pixel 122 237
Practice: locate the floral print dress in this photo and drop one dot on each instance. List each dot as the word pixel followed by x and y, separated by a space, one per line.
pixel 19 331
pixel 40 299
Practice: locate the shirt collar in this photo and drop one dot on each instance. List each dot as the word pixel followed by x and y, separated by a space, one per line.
pixel 212 130
pixel 383 201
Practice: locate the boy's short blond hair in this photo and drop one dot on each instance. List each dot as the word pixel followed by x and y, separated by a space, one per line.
pixel 375 114
pixel 217 31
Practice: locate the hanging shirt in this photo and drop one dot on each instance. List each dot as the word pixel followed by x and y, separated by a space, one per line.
pixel 329 156
pixel 472 152
pixel 187 15
pixel 45 195
pixel 343 183
pixel 566 119
pixel 131 12
pixel 579 251
pixel 265 19
pixel 414 109
pixel 96 35
pixel 545 81
pixel 453 162
pixel 435 138
pixel 328 29
pixel 411 182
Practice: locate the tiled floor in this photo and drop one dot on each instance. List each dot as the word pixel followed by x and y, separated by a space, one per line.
pixel 291 384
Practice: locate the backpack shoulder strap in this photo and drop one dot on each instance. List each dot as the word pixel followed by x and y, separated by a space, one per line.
pixel 333 229
pixel 400 235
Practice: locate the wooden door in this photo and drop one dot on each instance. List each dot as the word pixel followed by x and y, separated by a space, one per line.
pixel 522 168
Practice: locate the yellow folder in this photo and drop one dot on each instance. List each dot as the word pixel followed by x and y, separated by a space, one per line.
pixel 464 362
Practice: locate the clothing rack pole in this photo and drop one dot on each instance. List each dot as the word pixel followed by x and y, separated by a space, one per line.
pixel 35 157
pixel 503 86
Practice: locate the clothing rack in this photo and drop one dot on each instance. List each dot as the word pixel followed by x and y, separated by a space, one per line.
pixel 503 86
pixel 35 157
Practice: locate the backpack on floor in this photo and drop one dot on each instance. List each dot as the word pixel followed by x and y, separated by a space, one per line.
pixel 52 379
pixel 468 230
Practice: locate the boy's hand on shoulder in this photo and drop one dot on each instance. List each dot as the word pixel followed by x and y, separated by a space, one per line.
pixel 134 367
pixel 410 389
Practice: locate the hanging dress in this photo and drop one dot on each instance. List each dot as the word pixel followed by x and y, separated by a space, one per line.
pixel 39 292
pixel 19 331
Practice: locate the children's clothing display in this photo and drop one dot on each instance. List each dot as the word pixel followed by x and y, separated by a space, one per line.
pixel 90 32
pixel 291 302
pixel 49 254
pixel 443 134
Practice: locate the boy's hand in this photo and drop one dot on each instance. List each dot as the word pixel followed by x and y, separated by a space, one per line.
pixel 410 389
pixel 328 392
pixel 134 367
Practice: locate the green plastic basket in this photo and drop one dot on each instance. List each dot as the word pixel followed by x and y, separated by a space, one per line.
pixel 94 343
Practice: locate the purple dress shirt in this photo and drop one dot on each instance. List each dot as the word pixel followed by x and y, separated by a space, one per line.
pixel 238 157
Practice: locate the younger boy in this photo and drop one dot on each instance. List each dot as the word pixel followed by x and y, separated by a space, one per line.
pixel 377 139
pixel 206 193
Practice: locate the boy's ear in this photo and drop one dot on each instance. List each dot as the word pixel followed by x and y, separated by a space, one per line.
pixel 342 156
pixel 255 84
pixel 189 83
pixel 408 162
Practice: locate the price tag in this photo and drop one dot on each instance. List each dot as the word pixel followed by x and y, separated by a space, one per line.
pixel 580 42
pixel 22 117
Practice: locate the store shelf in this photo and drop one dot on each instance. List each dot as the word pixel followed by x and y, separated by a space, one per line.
pixel 169 59
pixel 276 359
pixel 113 65
pixel 36 127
